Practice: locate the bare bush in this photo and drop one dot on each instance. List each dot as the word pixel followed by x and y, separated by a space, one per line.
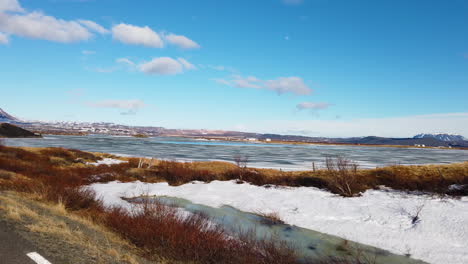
pixel 272 218
pixel 343 176
pixel 413 214
pixel 241 163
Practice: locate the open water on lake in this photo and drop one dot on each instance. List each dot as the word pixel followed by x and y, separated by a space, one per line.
pixel 261 155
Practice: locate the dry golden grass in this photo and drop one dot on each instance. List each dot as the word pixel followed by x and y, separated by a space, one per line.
pixel 55 222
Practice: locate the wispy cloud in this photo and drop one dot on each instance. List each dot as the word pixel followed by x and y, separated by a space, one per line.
pixel 165 66
pixel 125 61
pixel 181 41
pixel 130 107
pixel 94 26
pixel 282 85
pixel 4 39
pixel 187 65
pixel 312 106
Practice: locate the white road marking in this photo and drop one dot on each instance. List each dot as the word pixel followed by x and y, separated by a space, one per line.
pixel 37 258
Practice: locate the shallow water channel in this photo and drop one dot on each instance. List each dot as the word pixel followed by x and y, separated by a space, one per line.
pixel 309 244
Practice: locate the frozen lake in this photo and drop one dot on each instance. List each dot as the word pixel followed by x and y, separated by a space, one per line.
pixel 262 155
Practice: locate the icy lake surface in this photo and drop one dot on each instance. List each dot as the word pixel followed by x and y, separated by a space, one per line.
pixel 262 155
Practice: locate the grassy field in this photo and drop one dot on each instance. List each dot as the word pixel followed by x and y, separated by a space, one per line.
pixel 53 177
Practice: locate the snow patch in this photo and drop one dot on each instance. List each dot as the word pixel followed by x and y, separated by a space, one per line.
pixel 380 218
pixel 106 161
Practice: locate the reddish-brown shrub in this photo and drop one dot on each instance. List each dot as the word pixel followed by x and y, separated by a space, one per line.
pixel 176 173
pixel 160 230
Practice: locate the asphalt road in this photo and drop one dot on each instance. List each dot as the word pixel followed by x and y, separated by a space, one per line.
pixel 13 248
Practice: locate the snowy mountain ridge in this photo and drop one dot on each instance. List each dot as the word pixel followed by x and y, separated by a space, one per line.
pixel 441 136
pixel 4 116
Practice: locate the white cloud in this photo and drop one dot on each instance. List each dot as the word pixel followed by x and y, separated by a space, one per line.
pixel 4 38
pixel 39 26
pixel 222 81
pixel 94 26
pixel 10 5
pixel 294 85
pixel 282 85
pixel 165 66
pixel 404 126
pixel 187 65
pixel 125 61
pixel 135 35
pixel 249 82
pixel 130 106
pixel 312 106
pixel 181 41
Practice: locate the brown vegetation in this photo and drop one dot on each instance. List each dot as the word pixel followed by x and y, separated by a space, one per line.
pixel 56 176
pixel 340 176
pixel 157 229
pixel 160 230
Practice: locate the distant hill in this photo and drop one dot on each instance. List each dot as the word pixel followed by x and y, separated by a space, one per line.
pixel 11 131
pixel 372 140
pixel 442 136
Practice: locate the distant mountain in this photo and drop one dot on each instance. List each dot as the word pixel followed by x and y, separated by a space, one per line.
pixel 5 117
pixel 83 128
pixel 442 136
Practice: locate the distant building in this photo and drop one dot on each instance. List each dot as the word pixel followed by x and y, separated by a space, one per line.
pixel 268 139
pixel 251 139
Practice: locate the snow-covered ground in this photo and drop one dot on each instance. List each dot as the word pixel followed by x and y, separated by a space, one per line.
pixel 106 161
pixel 383 219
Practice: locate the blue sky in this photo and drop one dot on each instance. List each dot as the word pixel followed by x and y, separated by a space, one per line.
pixel 311 67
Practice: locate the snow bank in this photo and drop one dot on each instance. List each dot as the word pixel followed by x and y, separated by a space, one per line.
pixel 106 161
pixel 382 219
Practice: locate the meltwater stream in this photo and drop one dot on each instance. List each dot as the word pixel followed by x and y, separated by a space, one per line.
pixel 261 155
pixel 309 244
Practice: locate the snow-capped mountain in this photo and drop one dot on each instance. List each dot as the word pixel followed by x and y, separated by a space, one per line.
pixel 441 136
pixel 7 118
